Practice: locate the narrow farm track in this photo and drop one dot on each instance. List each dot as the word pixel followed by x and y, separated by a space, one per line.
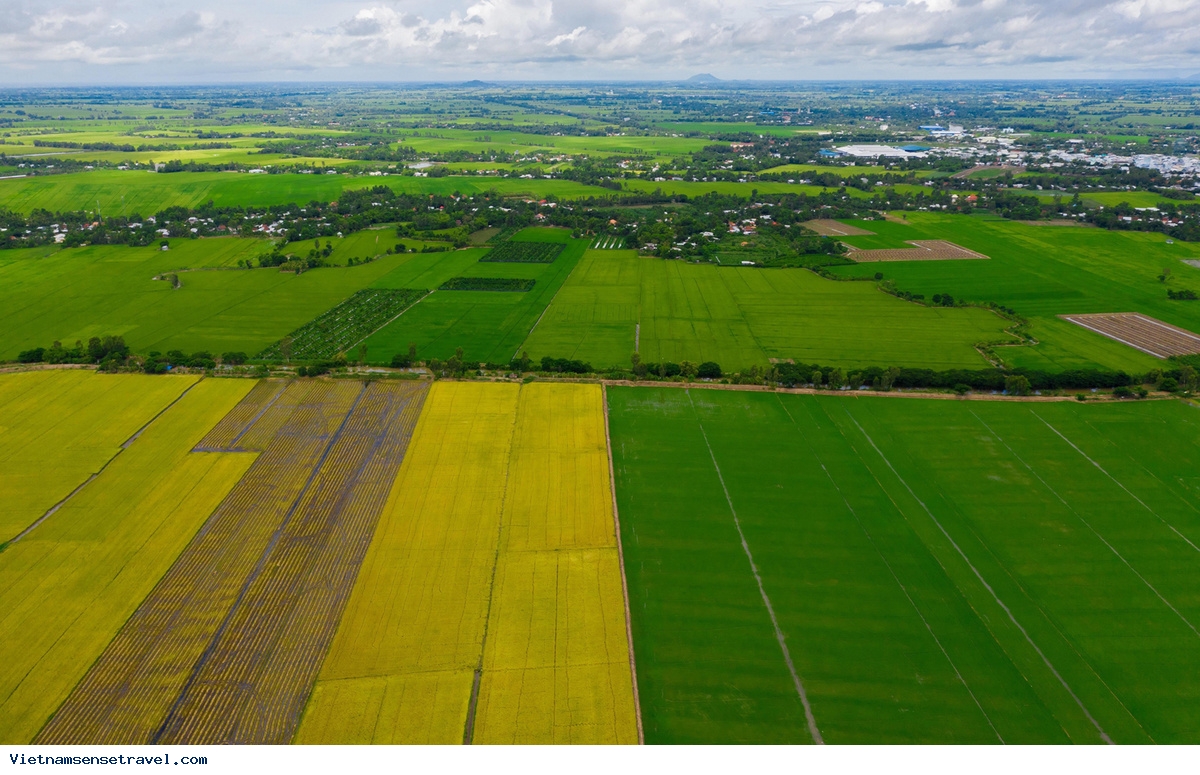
pixel 226 647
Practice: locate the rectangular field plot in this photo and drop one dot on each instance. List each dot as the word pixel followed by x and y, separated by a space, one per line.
pixel 937 571
pixel 58 428
pixel 922 250
pixel 739 316
pixel 1142 332
pixel 556 662
pixel 68 586
pixel 227 645
pixel 830 228
pixel 489 608
pixel 524 253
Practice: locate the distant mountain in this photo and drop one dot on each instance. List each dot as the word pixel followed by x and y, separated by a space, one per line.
pixel 476 83
pixel 703 78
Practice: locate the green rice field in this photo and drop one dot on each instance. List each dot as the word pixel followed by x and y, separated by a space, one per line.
pixel 936 571
pixel 131 191
pixel 617 302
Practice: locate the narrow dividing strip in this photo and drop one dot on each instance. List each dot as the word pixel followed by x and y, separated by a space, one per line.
pixel 612 481
pixel 1087 524
pixel 1103 735
pixel 1114 481
pixel 472 707
pixel 787 656
pixel 895 578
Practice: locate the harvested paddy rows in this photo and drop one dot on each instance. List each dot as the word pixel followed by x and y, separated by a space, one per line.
pixel 935 571
pixel 69 585
pixel 226 434
pixel 225 647
pixel 827 227
pixel 489 608
pixel 62 426
pixel 922 250
pixel 1142 332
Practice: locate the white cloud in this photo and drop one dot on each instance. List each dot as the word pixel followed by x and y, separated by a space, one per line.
pixel 169 40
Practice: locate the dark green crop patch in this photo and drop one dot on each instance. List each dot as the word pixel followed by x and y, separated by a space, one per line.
pixel 512 284
pixel 524 253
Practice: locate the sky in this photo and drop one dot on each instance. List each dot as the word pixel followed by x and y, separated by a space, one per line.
pixel 47 42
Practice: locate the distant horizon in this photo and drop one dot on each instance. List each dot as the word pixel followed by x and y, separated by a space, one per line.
pixel 137 42
pixel 1182 79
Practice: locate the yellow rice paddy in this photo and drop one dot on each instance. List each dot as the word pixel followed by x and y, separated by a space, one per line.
pixel 496 553
pixel 60 426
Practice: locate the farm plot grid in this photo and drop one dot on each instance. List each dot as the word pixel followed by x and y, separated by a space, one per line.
pixel 524 253
pixel 226 647
pixel 936 571
pixel 922 250
pixel 339 329
pixel 489 608
pixel 1142 332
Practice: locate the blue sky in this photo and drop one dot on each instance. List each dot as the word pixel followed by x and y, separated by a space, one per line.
pixel 167 41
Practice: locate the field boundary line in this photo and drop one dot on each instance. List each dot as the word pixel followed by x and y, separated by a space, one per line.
pixel 1103 735
pixel 1114 481
pixel 211 648
pixel 787 656
pixel 473 702
pixel 79 488
pixel 612 485
pixel 1088 524
pixel 892 571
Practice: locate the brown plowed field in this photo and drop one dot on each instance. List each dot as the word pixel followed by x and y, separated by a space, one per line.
pixel 1142 332
pixel 830 228
pixel 225 649
pixel 924 250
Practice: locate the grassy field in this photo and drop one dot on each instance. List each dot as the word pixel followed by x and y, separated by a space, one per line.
pixel 938 571
pixel 743 316
pixel 1045 271
pixel 128 192
pixel 488 326
pixel 61 427
pixel 70 585
pixel 94 291
pixel 495 554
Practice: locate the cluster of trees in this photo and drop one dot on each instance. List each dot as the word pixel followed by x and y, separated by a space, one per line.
pixel 110 352
pixel 666 369
pixel 129 147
